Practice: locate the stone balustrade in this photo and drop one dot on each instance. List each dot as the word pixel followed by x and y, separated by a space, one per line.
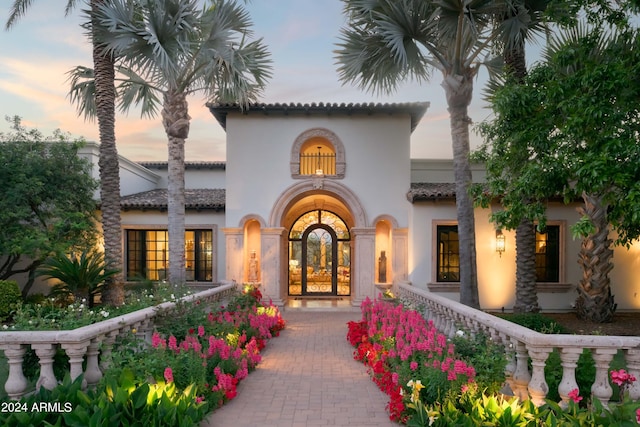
pixel 522 344
pixel 93 343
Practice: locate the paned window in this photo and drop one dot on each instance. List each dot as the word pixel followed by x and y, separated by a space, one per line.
pixel 148 255
pixel 448 256
pixel 548 254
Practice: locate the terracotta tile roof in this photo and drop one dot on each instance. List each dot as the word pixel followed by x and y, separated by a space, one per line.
pixel 187 165
pixel 432 191
pixel 415 109
pixel 198 199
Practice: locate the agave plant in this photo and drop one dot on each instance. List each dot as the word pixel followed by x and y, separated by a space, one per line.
pixel 81 277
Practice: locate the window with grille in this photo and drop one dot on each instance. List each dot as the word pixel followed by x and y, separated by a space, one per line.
pixel 147 254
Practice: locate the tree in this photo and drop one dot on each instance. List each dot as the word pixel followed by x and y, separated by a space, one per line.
pixel 174 48
pixel 46 200
pixel 579 112
pixel 519 22
pixel 388 41
pixel 104 109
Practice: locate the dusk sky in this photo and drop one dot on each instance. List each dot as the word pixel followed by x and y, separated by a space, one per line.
pixel 37 53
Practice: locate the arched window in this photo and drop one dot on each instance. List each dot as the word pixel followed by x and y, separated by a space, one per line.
pixel 317 157
pixel 317 152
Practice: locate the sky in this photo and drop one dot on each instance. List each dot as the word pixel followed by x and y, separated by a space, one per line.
pixel 37 53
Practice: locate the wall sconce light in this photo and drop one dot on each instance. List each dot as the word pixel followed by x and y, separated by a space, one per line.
pixel 500 244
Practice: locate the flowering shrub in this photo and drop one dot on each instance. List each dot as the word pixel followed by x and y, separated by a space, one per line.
pixel 429 385
pixel 212 355
pixel 398 345
pixel 56 314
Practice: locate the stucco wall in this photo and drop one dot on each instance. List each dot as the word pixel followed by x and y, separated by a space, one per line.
pixel 259 152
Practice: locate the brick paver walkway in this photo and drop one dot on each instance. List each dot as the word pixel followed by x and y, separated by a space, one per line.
pixel 307 377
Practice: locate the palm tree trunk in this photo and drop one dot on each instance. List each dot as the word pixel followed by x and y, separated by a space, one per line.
pixel 595 302
pixel 175 118
pixel 459 90
pixel 526 294
pixel 113 293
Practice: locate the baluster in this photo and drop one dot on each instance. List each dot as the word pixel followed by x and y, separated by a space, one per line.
pixel 16 383
pixel 601 388
pixel 510 367
pixel 569 361
pixel 76 352
pixel 632 356
pixel 538 387
pixel 92 373
pixel 107 349
pixel 45 353
pixel 521 375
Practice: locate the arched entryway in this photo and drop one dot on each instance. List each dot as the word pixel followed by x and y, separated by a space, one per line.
pixel 319 255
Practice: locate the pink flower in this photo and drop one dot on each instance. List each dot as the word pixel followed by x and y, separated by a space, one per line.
pixel 168 374
pixel 574 395
pixel 638 415
pixel 200 331
pixel 622 377
pixel 413 365
pixel 173 344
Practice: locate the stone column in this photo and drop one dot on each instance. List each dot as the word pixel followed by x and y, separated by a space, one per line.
pixel 362 264
pixel 234 239
pixel 274 264
pixel 400 260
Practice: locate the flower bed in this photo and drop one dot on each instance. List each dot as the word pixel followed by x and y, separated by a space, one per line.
pixel 430 384
pixel 193 365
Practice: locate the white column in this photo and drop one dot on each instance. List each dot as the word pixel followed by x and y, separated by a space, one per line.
pixel 274 264
pixel 400 260
pixel 362 264
pixel 234 239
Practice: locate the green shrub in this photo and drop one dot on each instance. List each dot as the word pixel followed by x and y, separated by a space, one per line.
pixel 536 321
pixel 81 276
pixel 122 401
pixel 487 357
pixel 10 295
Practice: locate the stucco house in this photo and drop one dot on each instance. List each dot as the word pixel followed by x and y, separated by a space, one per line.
pixel 323 200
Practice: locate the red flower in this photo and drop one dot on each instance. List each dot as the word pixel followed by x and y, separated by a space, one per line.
pixel 575 395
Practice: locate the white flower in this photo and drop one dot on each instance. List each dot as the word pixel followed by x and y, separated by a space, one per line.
pixel 5 327
pixel 81 306
pixel 173 296
pixel 31 322
pixel 104 313
pixel 460 333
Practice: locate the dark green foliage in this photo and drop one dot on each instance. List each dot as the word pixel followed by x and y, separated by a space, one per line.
pixel 81 276
pixel 46 199
pixel 486 357
pixel 9 296
pixel 536 321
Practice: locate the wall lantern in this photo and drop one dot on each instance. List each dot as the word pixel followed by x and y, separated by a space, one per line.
pixel 500 244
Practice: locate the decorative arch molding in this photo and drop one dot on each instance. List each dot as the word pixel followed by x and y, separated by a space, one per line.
pixel 330 136
pixel 252 217
pixel 388 218
pixel 317 186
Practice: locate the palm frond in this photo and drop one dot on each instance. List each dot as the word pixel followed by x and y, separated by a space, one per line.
pixel 83 91
pixel 134 90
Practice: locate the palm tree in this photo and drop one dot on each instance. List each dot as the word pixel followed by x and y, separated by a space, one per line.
pixel 387 41
pixel 176 48
pixel 522 19
pixel 81 277
pixel 104 109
